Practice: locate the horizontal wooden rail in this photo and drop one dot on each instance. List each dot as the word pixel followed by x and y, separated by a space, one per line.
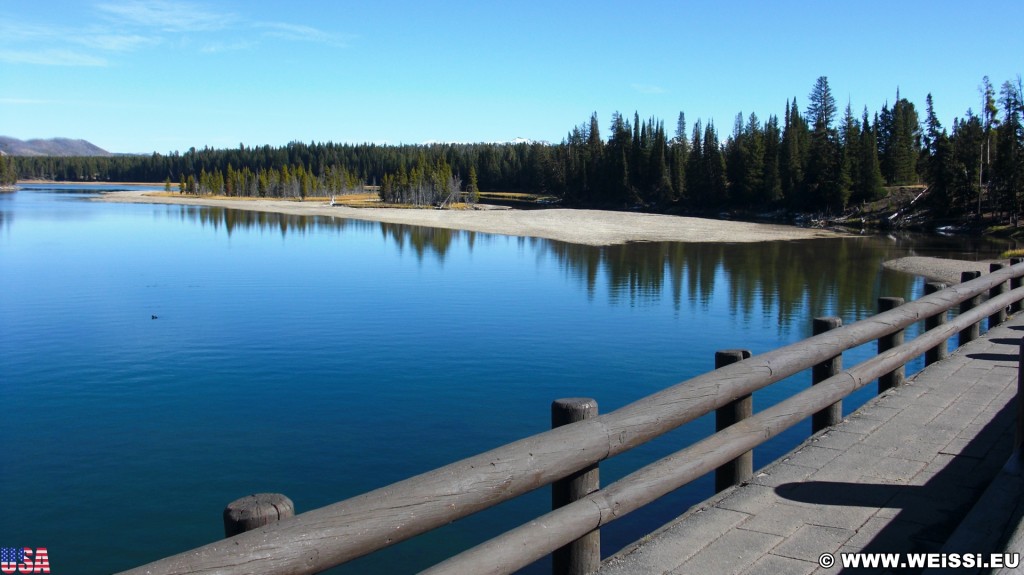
pixel 523 545
pixel 322 538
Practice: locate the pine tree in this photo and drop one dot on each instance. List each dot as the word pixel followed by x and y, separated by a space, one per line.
pixel 849 139
pixel 938 156
pixel 472 190
pixel 714 167
pixel 868 184
pixel 843 186
pixel 907 146
pixel 262 184
pixel 574 148
pixel 736 158
pixel 822 185
pixel 884 134
pixel 821 109
pixel 638 152
pixel 8 173
pixel 594 188
pixel 230 181
pixel 989 122
pixel 754 147
pixel 827 167
pixel 771 190
pixel 665 184
pixel 745 161
pixel 681 136
pixel 617 166
pixel 967 139
pixel 793 155
pixel 696 177
pixel 1008 166
pixel 898 138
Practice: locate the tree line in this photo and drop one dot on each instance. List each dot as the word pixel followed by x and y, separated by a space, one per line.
pixel 8 171
pixel 982 158
pixel 809 161
pixel 639 270
pixel 428 184
pixel 287 182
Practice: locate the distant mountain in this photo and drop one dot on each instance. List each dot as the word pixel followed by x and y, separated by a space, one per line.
pixel 51 147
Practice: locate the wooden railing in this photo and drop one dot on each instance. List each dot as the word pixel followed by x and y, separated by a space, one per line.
pixel 322 538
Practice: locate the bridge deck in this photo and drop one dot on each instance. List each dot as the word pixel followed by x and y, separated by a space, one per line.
pixel 897 476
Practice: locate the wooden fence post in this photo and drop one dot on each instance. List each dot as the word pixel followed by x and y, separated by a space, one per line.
pixel 1014 284
pixel 832 414
pixel 1018 441
pixel 974 331
pixel 257 510
pixel 1000 316
pixel 742 468
pixel 941 351
pixel 583 555
pixel 895 377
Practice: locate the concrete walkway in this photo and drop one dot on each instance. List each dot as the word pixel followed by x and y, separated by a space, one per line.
pixel 897 476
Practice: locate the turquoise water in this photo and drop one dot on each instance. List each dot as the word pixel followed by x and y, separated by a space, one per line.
pixel 322 358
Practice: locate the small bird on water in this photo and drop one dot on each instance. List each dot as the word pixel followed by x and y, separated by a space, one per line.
pixel 153 317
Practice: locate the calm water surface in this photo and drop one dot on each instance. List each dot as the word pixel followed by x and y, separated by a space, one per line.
pixel 322 358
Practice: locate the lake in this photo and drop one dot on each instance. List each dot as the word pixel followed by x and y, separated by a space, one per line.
pixel 158 361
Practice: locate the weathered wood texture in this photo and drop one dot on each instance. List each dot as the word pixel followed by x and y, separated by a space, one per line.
pixel 1016 282
pixel 583 555
pixel 523 545
pixel 1000 315
pixel 322 538
pixel 252 511
pixel 1019 435
pixel 832 414
pixel 896 377
pixel 973 331
pixel 940 351
pixel 741 468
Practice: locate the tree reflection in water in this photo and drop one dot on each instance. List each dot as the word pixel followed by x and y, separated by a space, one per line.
pixel 842 276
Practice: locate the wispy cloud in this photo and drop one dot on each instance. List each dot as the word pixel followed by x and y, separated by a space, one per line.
pixel 42 45
pixel 300 33
pixel 116 43
pixel 648 88
pixel 167 16
pixel 21 32
pixel 51 57
pixel 128 26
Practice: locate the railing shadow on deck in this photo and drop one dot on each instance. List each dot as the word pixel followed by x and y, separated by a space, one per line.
pixel 941 502
pixel 335 534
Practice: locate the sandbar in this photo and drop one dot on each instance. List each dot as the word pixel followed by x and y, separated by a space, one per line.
pixel 577 226
pixel 939 269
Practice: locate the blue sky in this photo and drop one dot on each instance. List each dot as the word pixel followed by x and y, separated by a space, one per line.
pixel 165 75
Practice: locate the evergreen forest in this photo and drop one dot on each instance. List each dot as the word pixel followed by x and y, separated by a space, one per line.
pixel 8 172
pixel 813 160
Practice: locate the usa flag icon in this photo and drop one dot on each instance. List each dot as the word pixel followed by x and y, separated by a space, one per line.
pixel 12 554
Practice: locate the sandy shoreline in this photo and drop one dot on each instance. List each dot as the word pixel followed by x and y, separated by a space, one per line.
pixel 588 227
pixel 939 269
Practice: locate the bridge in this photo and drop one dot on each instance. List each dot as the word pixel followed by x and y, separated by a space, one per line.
pixel 901 475
pixel 918 469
